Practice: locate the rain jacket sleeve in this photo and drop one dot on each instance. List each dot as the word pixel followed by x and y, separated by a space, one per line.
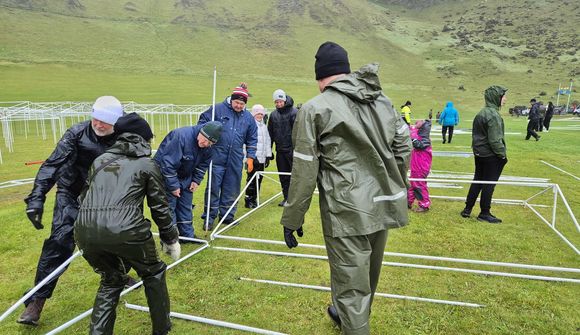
pixel 199 172
pixel 171 160
pixel 402 149
pixel 495 136
pixel 306 161
pixel 157 202
pixel 63 154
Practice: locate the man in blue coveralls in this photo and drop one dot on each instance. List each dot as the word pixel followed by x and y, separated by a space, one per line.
pixel 239 128
pixel 183 158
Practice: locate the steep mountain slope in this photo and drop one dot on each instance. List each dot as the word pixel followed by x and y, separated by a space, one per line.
pixel 427 51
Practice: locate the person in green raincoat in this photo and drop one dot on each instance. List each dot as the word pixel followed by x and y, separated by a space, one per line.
pixel 112 232
pixel 352 143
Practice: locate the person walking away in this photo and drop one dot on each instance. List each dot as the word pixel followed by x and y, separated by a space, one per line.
pixel 533 118
pixel 67 167
pixel 489 152
pixel 406 112
pixel 111 230
pixel 360 198
pixel 421 159
pixel 449 119
pixel 549 114
pixel 263 156
pixel 239 129
pixel 183 157
pixel 280 127
pixel 542 113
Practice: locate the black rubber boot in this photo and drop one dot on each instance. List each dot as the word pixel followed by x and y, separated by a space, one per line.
pixel 31 314
pixel 333 313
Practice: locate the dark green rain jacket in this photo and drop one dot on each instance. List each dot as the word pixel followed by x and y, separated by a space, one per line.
pixel 487 139
pixel 352 143
pixel 112 205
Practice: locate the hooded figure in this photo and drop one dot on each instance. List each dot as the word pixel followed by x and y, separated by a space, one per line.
pixel 353 145
pixel 489 152
pixel 448 119
pixel 239 129
pixel 113 233
pixel 421 159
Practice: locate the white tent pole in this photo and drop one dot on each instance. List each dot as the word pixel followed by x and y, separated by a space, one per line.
pixel 384 295
pixel 210 321
pixel 48 278
pixel 210 170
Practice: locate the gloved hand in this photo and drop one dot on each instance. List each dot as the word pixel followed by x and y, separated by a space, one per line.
pixel 35 216
pixel 289 236
pixel 267 162
pixel 173 250
pixel 250 162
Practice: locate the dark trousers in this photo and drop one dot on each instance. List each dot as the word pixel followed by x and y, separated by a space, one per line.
pixel 444 132
pixel 486 169
pixel 541 124
pixel 252 190
pixel 182 209
pixel 284 164
pixel 111 262
pixel 58 247
pixel 531 126
pixel 547 120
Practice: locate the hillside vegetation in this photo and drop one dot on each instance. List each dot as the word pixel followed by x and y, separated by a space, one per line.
pixel 165 51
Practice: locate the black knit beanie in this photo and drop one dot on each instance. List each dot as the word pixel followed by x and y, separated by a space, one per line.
pixel 331 59
pixel 133 123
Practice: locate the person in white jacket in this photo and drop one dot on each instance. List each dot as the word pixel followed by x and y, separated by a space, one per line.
pixel 263 155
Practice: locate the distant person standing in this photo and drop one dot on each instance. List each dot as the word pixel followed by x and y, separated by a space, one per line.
pixel 489 152
pixel 361 198
pixel 542 112
pixel 280 127
pixel 533 117
pixel 549 114
pixel 421 159
pixel 449 118
pixel 406 112
pixel 239 129
pixel 263 156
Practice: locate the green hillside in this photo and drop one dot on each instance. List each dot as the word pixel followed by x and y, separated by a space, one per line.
pixel 165 51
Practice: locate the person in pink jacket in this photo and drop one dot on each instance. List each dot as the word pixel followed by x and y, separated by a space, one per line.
pixel 421 159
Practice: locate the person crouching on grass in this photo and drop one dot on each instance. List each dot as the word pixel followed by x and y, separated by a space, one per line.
pixel 112 232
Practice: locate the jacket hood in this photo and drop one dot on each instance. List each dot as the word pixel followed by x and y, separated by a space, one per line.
pixel 449 104
pixel 493 96
pixel 131 145
pixel 425 130
pixel 362 85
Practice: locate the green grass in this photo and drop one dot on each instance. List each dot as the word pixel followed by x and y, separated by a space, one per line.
pixel 207 284
pixel 163 53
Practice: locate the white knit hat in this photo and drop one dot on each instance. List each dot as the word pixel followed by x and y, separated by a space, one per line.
pixel 279 95
pixel 107 109
pixel 258 109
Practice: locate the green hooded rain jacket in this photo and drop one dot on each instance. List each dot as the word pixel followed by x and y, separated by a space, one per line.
pixel 112 204
pixel 350 141
pixel 487 139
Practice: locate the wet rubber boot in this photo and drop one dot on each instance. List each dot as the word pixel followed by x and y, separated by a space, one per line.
pixel 31 314
pixel 158 301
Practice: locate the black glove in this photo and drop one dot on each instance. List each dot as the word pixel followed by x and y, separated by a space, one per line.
pixel 35 216
pixel 289 237
pixel 267 162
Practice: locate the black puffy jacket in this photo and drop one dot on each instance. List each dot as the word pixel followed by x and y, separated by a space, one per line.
pixel 68 164
pixel 280 126
pixel 112 205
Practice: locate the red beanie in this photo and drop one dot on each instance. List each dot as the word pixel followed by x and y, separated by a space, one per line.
pixel 240 93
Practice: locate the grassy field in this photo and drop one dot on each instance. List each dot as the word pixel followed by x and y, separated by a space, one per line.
pixel 164 52
pixel 207 285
